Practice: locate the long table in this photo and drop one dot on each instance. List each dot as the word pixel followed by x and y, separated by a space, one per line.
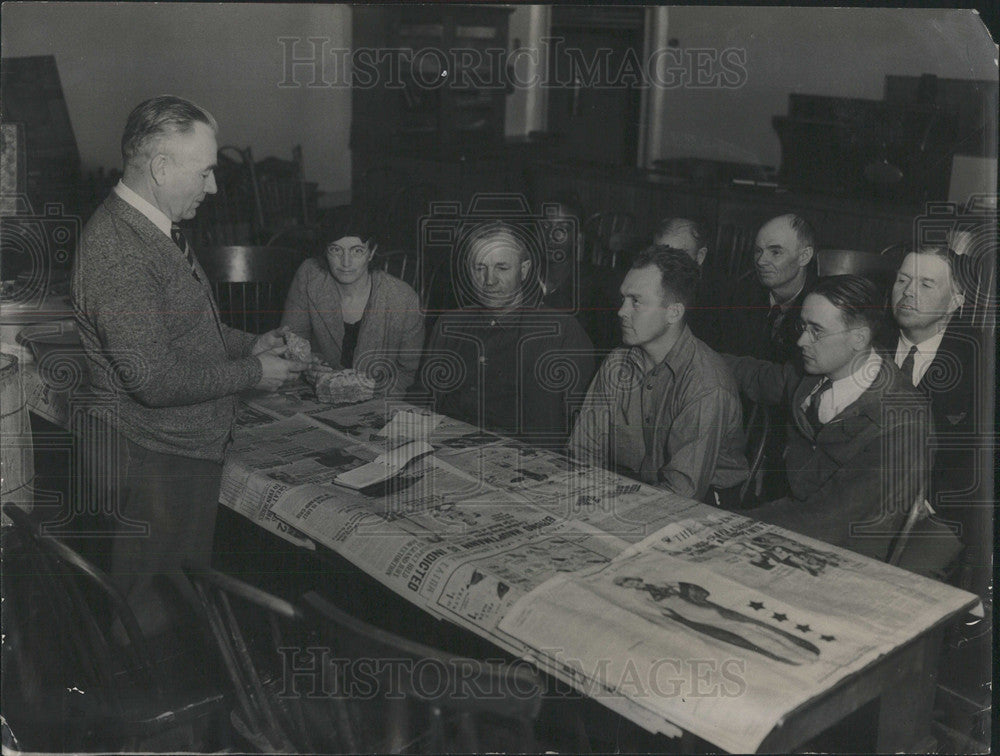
pixel 687 620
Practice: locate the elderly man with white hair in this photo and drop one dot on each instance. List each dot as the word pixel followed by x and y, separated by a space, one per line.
pixel 518 369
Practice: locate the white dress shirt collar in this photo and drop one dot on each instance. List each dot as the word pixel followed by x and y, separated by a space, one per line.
pixel 843 392
pixel 155 215
pixel 923 357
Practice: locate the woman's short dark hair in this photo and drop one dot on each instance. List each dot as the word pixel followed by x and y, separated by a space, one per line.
pixel 856 297
pixel 679 274
pixel 158 117
pixel 356 224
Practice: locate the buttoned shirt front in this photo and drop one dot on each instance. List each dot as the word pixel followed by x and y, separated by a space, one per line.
pixel 677 425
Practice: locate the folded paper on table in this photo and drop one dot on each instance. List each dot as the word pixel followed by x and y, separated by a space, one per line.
pixel 384 466
pixel 408 424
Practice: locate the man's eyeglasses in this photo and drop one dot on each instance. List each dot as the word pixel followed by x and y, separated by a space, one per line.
pixel 354 253
pixel 813 334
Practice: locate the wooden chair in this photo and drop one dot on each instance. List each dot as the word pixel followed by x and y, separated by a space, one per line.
pixel 981 295
pixel 734 249
pixel 249 626
pixel 402 264
pixel 758 428
pixel 250 283
pixel 294 673
pixel 284 198
pixel 309 240
pixel 415 716
pixel 609 236
pixel 232 215
pixel 924 544
pixel 407 206
pixel 59 611
pixel 282 191
pixel 879 269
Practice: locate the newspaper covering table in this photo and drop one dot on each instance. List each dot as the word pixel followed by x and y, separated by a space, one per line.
pixel 670 612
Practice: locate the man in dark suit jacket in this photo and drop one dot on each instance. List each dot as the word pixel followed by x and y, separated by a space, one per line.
pixel 759 316
pixel 857 453
pixel 943 359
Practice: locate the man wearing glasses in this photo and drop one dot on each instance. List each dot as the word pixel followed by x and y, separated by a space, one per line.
pixel 857 453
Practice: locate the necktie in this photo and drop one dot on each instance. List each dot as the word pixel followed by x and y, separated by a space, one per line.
pixel 773 319
pixel 907 367
pixel 181 241
pixel 812 411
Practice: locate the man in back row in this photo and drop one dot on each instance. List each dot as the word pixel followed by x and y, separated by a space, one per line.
pixel 164 368
pixel 664 408
pixel 942 359
pixel 690 236
pixel 760 317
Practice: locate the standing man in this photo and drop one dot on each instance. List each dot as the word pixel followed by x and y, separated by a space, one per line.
pixel 943 361
pixel 857 452
pixel 519 368
pixel 664 408
pixel 164 369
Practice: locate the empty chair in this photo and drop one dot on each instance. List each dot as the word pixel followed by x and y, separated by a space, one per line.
pixel 232 215
pixel 734 250
pixel 79 675
pixel 356 688
pixel 284 198
pixel 609 235
pixel 880 269
pixel 249 626
pixel 250 283
pixel 423 699
pixel 758 427
pixel 402 264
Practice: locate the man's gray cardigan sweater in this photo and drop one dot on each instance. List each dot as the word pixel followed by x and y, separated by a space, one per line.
pixel 164 368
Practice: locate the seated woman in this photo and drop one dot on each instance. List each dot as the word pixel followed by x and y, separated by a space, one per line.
pixel 355 317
